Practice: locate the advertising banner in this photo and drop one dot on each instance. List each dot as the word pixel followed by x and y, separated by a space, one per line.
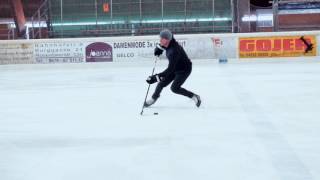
pixel 224 47
pixel 277 46
pixel 16 53
pixel 99 52
pixel 141 48
pixel 133 50
pixel 59 52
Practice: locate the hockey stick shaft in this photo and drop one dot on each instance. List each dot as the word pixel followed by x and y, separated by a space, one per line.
pixel 145 99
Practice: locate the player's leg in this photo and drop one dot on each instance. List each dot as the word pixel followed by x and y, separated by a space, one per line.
pixel 159 88
pixel 178 81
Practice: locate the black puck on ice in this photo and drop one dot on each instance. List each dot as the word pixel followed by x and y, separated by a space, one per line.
pixel 155 113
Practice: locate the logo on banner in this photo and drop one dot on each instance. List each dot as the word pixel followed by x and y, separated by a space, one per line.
pixel 99 52
pixel 217 42
pixel 282 46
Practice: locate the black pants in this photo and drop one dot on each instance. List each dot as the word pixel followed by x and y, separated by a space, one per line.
pixel 177 79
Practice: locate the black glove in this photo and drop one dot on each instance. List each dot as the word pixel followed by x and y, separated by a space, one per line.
pixel 153 79
pixel 158 50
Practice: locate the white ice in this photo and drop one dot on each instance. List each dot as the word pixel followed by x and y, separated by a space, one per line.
pixel 259 121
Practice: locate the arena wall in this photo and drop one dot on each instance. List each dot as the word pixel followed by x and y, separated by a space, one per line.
pixel 138 48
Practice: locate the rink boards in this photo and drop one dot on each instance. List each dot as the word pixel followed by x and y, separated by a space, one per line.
pixel 239 47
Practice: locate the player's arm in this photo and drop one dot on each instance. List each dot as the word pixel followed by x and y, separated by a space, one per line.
pixel 173 60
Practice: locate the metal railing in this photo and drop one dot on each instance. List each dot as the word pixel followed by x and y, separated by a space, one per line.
pixel 137 31
pixel 39 22
pixel 11 33
pixel 277 11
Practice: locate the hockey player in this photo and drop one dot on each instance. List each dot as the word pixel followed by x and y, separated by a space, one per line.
pixel 178 70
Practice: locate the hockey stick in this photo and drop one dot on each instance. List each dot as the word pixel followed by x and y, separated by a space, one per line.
pixel 145 99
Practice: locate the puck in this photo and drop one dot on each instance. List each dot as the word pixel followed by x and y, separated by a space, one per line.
pixel 155 113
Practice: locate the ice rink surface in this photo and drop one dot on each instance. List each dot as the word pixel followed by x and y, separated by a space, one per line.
pixel 259 121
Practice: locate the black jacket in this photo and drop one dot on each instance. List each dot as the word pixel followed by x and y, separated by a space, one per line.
pixel 178 59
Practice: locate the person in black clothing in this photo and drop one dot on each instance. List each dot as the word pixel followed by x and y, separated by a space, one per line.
pixel 179 69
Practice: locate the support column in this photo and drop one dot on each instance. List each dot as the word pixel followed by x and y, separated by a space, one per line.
pixel 275 8
pixel 243 10
pixel 19 17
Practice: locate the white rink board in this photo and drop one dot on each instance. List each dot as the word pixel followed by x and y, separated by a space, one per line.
pixel 124 49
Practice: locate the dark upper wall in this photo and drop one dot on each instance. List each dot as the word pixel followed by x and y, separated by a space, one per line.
pixel 29 6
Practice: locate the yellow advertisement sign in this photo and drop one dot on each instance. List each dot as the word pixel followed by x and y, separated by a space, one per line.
pixel 278 46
